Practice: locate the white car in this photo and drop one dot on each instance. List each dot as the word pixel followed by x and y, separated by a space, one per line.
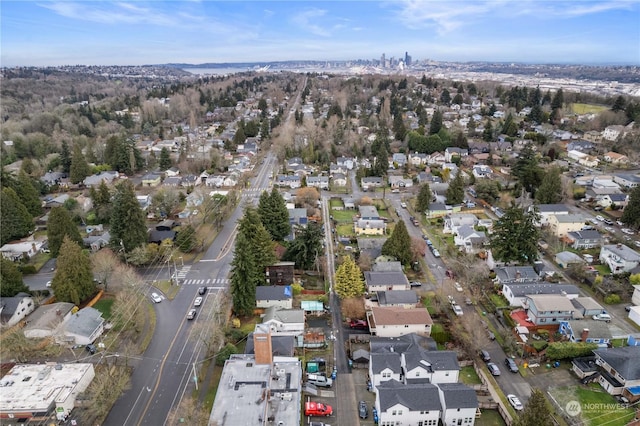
pixel 609 229
pixel 155 297
pixel 600 218
pixel 602 317
pixel 627 231
pixel 458 287
pixel 197 301
pixel 48 284
pixel 403 205
pixel 436 253
pixel 457 310
pixel 515 402
pixel 637 243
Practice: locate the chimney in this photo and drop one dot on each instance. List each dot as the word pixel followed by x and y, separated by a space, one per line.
pixel 518 274
pixel 584 335
pixel 262 345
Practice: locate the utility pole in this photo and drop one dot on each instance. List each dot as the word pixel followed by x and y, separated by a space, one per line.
pixel 195 374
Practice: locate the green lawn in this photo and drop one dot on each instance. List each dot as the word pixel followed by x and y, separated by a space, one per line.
pixel 345 230
pixel 104 306
pixel 343 215
pixel 498 300
pixel 469 376
pixel 602 269
pixel 587 108
pixel 490 418
pixel 333 203
pixel 598 407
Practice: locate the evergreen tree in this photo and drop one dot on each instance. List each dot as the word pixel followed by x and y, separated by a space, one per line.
pixel 380 162
pixel 59 226
pixel 239 137
pixel 487 133
pixel 424 198
pixel 558 99
pixel 445 97
pixel 436 122
pixel 306 247
pixel 122 155
pixel 527 170
pixel 28 194
pixel 399 129
pixel 455 191
pixel 515 236
pixel 79 166
pixel 398 245
pixel 15 220
pixel 619 104
pixel 73 281
pixel 65 157
pixel 631 214
pixel 263 247
pixel 274 214
pixel 101 198
pixel 10 279
pixel 165 159
pixel 536 412
pixel 550 190
pixel 510 128
pixel 536 114
pixel 348 279
pixel 244 276
pixel 128 227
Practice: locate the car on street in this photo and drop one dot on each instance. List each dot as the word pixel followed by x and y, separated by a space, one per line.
pixel 609 229
pixel 608 221
pixel 468 301
pixel 515 402
pixel 457 310
pixel 202 290
pixel 637 243
pixel 627 231
pixel 363 410
pixel 600 218
pixel 318 424
pixel 493 369
pixel 155 297
pixel 436 253
pixel 415 284
pixel 485 356
pixel 197 301
pixel 458 287
pixel 451 299
pixel 91 348
pixel 48 284
pixel 511 365
pixel 403 205
pixel 602 317
pixel 192 314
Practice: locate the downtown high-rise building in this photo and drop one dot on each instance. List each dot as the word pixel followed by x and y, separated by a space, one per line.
pixel 407 59
pixel 382 61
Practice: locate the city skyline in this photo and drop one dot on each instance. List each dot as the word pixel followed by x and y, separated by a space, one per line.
pixel 51 33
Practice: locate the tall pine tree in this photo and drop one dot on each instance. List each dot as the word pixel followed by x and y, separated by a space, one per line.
pixel 128 227
pixel 550 190
pixel 455 191
pixel 79 166
pixel 398 245
pixel 59 226
pixel 15 220
pixel 348 279
pixel 28 194
pixel 424 198
pixel 73 281
pixel 515 236
pixel 274 214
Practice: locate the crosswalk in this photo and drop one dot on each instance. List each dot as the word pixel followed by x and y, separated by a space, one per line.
pixel 206 282
pixel 182 272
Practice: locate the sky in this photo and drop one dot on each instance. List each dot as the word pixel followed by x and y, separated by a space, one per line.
pixel 87 32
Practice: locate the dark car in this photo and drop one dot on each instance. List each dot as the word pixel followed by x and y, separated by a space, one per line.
pixel 91 348
pixel 511 365
pixel 202 290
pixel 363 410
pixel 485 356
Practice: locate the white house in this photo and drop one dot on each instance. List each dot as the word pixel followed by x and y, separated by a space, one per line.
pixel 278 296
pixel 619 257
pixel 287 322
pixel 17 251
pixel 386 280
pixel 397 321
pixel 481 171
pixel 548 210
pixel 469 240
pixel 516 293
pixel 459 404
pixel 47 320
pixel 83 327
pixel 402 404
pixel 456 220
pixel 384 367
pixel 16 308
pixel 419 364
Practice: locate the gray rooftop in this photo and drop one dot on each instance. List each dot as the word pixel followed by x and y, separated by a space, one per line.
pixel 286 316
pixel 252 394
pixel 521 290
pixel 552 208
pixel 416 397
pixel 84 322
pixel 430 360
pixel 273 292
pixel 393 266
pixel 10 304
pixel 368 212
pixel 623 252
pixel 458 395
pixel 623 360
pixel 382 361
pixel 397 297
pixel 401 344
pixel 515 273
pixel 570 218
pixel 590 234
pixel 385 278
pixel 597 329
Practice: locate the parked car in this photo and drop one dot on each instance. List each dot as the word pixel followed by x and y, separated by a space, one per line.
pixel 457 310
pixel 485 356
pixel 319 380
pixel 155 297
pixel 415 284
pixel 627 231
pixel 192 314
pixel 318 424
pixel 363 410
pixel 317 409
pixel 436 253
pixel 202 290
pixel 493 369
pixel 458 287
pixel 403 205
pixel 48 284
pixel 608 221
pixel 197 301
pixel 91 348
pixel 511 365
pixel 468 301
pixel 515 402
pixel 600 218
pixel 359 324
pixel 602 317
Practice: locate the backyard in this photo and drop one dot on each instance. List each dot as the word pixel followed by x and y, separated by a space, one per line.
pixel 595 405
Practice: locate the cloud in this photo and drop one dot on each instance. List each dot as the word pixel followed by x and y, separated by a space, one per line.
pixel 110 13
pixel 307 20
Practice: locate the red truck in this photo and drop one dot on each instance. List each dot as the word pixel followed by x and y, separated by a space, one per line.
pixel 317 409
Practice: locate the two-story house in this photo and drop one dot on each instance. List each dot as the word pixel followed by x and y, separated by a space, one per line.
pixel 459 404
pixel 620 371
pixel 320 182
pixel 456 220
pixel 547 210
pixel 561 225
pixel 470 240
pixel 619 258
pixel 386 280
pixel 370 227
pixel 548 309
pixel 452 151
pixel 15 309
pixel 384 367
pixel 401 298
pixel 278 296
pixel 414 404
pixel 371 182
pixel 517 293
pixel 586 239
pixel 288 322
pixel 586 331
pixel 617 199
pixel 398 321
pixel 516 274
pixel 437 367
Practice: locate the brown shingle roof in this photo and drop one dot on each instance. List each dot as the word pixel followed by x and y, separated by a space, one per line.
pixel 400 316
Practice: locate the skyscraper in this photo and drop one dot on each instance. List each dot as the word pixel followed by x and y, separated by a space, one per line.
pixel 407 59
pixel 382 61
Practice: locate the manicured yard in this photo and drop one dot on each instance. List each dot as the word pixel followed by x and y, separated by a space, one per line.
pixel 602 269
pixel 333 203
pixel 343 215
pixel 587 108
pixel 598 406
pixel 469 376
pixel 345 230
pixel 490 418
pixel 498 300
pixel 104 305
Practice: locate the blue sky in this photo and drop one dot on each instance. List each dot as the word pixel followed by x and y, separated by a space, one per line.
pixel 153 32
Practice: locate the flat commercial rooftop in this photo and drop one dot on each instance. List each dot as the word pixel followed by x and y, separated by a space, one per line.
pixel 258 394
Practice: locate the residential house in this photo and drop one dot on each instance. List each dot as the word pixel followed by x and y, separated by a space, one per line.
pixel 339 179
pixel 586 331
pixel 292 181
pixel 15 309
pixel 609 200
pixel 548 309
pixel 453 151
pixel 381 281
pixel 459 404
pixel 172 172
pixel 395 266
pixel 548 210
pixel 619 257
pixel 436 210
pixel 454 221
pixel 635 297
pixel 47 320
pixel 298 216
pixel 579 145
pixel 436 159
pixel 517 293
pixel 347 162
pixel 612 133
pixel 151 180
pixel 320 182
pixel 586 307
pixel 349 203
pixel 418 159
pixel 615 158
pixel 627 180
pixel 384 367
pixel 478 147
pixel 561 225
pixel 369 213
pixel 294 164
pixel 189 181
pixel 586 239
pixel 620 371
pixel 96 242
pixel 21 250
pixel 277 296
pixel 281 346
pixel 144 201
pixel 415 404
pixel 401 298
pixel 288 322
pixel 565 259
pixel 53 178
pixel 334 168
pixel 57 201
pixel 397 321
pixel 436 367
pixel 469 240
pixel 399 182
pixel 83 327
pixel 95 180
pixel 399 158
pixel 516 274
pixel 371 182
pixel 370 227
pixel 280 273
pixel 481 171
pixel 172 182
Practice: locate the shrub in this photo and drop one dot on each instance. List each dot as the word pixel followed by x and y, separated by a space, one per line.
pixel 296 288
pixel 224 353
pixel 27 269
pixel 612 299
pixel 563 350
